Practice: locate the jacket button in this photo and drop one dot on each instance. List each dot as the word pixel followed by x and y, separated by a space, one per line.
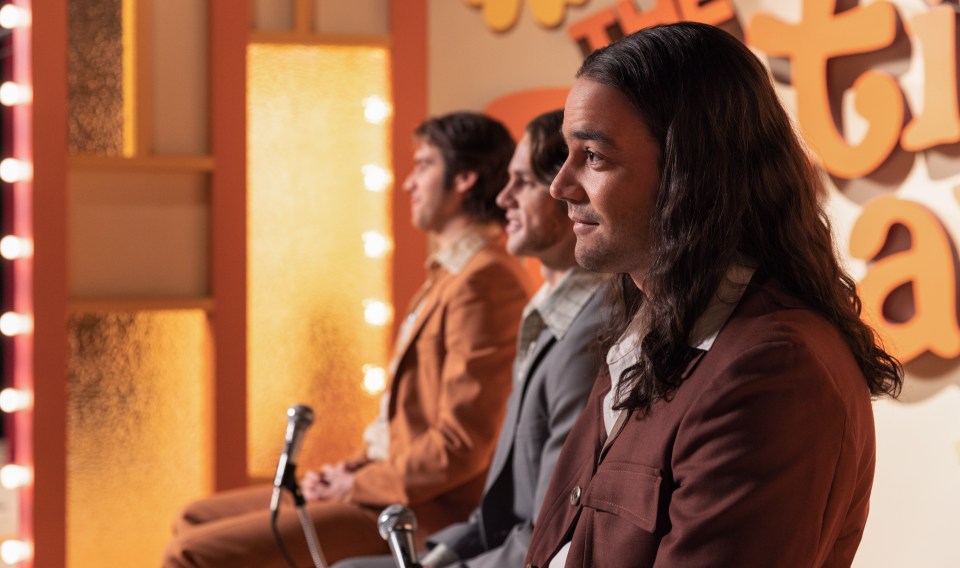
pixel 575 496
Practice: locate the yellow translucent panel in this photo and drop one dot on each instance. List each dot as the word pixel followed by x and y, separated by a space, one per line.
pixel 95 77
pixel 137 432
pixel 308 275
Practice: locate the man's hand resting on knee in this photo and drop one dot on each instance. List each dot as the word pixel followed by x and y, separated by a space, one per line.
pixel 331 483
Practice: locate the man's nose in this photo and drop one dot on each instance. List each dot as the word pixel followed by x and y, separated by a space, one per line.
pixel 505 198
pixel 565 186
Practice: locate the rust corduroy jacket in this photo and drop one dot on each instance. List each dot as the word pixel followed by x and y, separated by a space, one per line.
pixel 448 395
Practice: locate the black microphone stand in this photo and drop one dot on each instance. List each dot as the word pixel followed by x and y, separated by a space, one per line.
pixel 309 532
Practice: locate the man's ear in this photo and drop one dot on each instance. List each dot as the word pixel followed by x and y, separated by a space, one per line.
pixel 463 181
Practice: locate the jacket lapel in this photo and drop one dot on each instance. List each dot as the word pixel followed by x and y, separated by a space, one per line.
pixel 420 314
pixel 692 365
pixel 624 417
pixel 523 378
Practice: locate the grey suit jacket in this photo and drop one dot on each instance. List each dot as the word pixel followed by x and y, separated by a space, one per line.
pixel 546 400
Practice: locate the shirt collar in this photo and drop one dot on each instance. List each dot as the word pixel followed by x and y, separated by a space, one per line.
pixel 560 305
pixel 707 327
pixel 721 305
pixel 454 257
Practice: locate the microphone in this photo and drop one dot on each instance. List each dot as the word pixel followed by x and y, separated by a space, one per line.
pixel 397 525
pixel 299 418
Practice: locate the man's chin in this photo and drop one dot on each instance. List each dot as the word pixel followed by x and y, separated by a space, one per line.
pixel 592 259
pixel 515 246
pixel 516 251
pixel 418 223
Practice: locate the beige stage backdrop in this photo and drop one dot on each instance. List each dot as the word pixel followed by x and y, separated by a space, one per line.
pixel 873 86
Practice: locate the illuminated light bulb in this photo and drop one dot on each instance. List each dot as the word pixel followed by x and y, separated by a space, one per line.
pixel 15 551
pixel 13 170
pixel 377 312
pixel 12 323
pixel 375 245
pixel 13 247
pixel 13 476
pixel 12 94
pixel 14 17
pixel 14 400
pixel 375 110
pixel 375 178
pixel 374 380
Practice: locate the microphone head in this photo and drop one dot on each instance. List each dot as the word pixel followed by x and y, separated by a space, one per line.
pixel 396 518
pixel 301 415
pixel 299 418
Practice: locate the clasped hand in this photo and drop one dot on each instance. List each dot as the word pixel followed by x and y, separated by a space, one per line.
pixel 331 483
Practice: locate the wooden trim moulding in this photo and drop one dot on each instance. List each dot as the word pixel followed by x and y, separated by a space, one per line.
pixel 39 434
pixel 295 38
pixel 101 305
pixel 168 164
pixel 408 23
pixel 229 42
pixel 303 16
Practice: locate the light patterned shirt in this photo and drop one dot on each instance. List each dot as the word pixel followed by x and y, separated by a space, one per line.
pixel 554 308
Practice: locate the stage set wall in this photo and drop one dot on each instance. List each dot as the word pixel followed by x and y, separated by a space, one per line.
pixel 199 301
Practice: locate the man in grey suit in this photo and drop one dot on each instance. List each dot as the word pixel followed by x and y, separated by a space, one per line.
pixel 557 361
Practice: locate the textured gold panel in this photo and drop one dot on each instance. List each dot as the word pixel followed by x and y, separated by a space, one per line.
pixel 95 77
pixel 137 432
pixel 308 276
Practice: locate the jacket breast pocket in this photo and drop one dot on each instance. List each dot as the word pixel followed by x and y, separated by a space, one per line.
pixel 629 491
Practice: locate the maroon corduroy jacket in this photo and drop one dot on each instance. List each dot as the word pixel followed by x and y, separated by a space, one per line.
pixel 764 456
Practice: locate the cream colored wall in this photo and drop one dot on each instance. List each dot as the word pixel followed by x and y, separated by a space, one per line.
pixel 470 66
pixel 915 507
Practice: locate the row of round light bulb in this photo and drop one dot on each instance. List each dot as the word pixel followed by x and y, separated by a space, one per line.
pixel 376 179
pixel 12 170
pixel 13 247
pixel 12 16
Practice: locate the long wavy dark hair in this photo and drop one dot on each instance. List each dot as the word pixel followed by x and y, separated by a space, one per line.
pixel 548 150
pixel 734 180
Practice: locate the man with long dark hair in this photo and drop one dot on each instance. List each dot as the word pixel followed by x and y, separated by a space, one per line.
pixel 732 424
